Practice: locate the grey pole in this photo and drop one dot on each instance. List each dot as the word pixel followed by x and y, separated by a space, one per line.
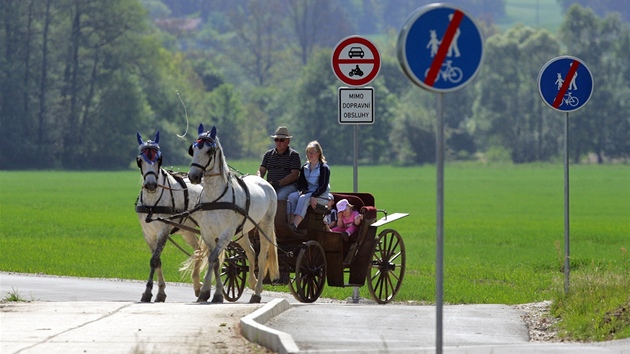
pixel 439 259
pixel 355 188
pixel 567 262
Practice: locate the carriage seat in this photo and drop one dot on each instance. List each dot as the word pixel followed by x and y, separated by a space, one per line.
pixel 343 254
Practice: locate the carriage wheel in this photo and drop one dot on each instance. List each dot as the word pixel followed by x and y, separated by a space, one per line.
pixel 234 272
pixel 387 268
pixel 310 273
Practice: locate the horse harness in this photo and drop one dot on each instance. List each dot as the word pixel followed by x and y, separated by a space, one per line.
pixel 171 210
pixel 216 205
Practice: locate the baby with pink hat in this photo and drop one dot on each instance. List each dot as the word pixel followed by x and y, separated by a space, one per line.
pixel 348 218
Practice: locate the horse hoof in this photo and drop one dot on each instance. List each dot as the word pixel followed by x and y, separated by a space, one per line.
pixel 255 299
pixel 203 296
pixel 217 299
pixel 146 298
pixel 197 292
pixel 160 298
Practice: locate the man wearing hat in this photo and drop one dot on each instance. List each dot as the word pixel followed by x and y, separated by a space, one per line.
pixel 281 165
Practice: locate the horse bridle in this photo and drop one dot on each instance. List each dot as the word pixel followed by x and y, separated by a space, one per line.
pixel 200 143
pixel 144 152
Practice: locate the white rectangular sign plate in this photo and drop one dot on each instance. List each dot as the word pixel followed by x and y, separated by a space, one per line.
pixel 356 105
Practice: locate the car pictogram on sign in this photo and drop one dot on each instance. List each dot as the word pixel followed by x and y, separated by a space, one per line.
pixel 356 52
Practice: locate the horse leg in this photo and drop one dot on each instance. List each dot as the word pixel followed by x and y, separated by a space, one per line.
pixel 155 264
pixel 268 253
pixel 161 295
pixel 213 265
pixel 217 256
pixel 251 260
pixel 262 260
pixel 147 295
pixel 156 261
pixel 204 292
pixel 218 291
pixel 195 275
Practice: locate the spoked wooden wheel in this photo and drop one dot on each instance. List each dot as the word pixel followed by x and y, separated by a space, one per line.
pixel 234 272
pixel 310 273
pixel 387 268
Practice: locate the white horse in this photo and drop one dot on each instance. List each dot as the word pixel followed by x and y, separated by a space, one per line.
pixel 232 206
pixel 162 195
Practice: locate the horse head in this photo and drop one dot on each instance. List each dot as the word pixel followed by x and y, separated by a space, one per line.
pixel 207 156
pixel 149 160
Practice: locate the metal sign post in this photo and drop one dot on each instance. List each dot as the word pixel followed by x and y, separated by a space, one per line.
pixel 356 61
pixel 440 48
pixel 565 84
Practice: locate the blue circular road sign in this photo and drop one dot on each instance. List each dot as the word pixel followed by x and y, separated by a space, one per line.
pixel 440 48
pixel 565 83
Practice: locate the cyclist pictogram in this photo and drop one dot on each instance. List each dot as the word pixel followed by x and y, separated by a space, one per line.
pixel 448 72
pixel 570 100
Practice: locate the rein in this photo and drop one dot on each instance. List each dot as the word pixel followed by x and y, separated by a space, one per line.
pixel 158 209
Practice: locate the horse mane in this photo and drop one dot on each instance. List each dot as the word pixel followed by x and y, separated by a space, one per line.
pixel 224 170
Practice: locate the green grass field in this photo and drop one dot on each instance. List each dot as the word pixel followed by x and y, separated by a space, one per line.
pixel 504 228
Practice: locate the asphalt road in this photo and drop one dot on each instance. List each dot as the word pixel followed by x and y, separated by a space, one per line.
pixel 92 309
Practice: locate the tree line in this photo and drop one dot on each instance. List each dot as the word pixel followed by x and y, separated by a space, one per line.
pixel 80 77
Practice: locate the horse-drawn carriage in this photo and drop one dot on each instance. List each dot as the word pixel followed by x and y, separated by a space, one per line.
pixel 313 256
pixel 305 259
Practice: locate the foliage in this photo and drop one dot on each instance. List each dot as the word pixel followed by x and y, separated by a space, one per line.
pixel 13 296
pixel 603 127
pixel 597 307
pixel 515 117
pixel 82 76
pixel 601 7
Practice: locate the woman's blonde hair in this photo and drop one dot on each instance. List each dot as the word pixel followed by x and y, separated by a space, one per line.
pixel 315 145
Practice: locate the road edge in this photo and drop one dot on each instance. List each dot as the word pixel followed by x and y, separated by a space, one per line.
pixel 253 328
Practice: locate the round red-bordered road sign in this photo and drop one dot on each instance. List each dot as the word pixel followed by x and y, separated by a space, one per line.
pixel 356 61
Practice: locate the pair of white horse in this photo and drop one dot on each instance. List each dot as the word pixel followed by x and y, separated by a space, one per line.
pixel 220 203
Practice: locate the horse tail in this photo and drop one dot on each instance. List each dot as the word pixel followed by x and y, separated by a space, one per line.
pixel 201 253
pixel 271 266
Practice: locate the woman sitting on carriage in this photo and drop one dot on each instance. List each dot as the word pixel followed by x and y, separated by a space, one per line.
pixel 313 185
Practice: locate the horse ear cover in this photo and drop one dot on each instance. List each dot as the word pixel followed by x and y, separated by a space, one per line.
pixel 140 142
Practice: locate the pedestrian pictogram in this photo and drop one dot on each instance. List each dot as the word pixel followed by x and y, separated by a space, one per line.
pixel 440 48
pixel 565 83
pixel 356 61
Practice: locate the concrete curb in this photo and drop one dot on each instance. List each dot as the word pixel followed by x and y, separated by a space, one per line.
pixel 253 328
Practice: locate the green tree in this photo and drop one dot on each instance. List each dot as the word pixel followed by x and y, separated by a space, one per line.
pixel 508 112
pixel 603 45
pixel 412 136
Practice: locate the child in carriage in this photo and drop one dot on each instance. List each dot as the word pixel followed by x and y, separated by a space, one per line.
pixel 348 218
pixel 330 219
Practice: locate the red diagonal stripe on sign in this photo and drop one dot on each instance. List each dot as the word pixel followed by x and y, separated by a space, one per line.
pixel 565 85
pixel 443 49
